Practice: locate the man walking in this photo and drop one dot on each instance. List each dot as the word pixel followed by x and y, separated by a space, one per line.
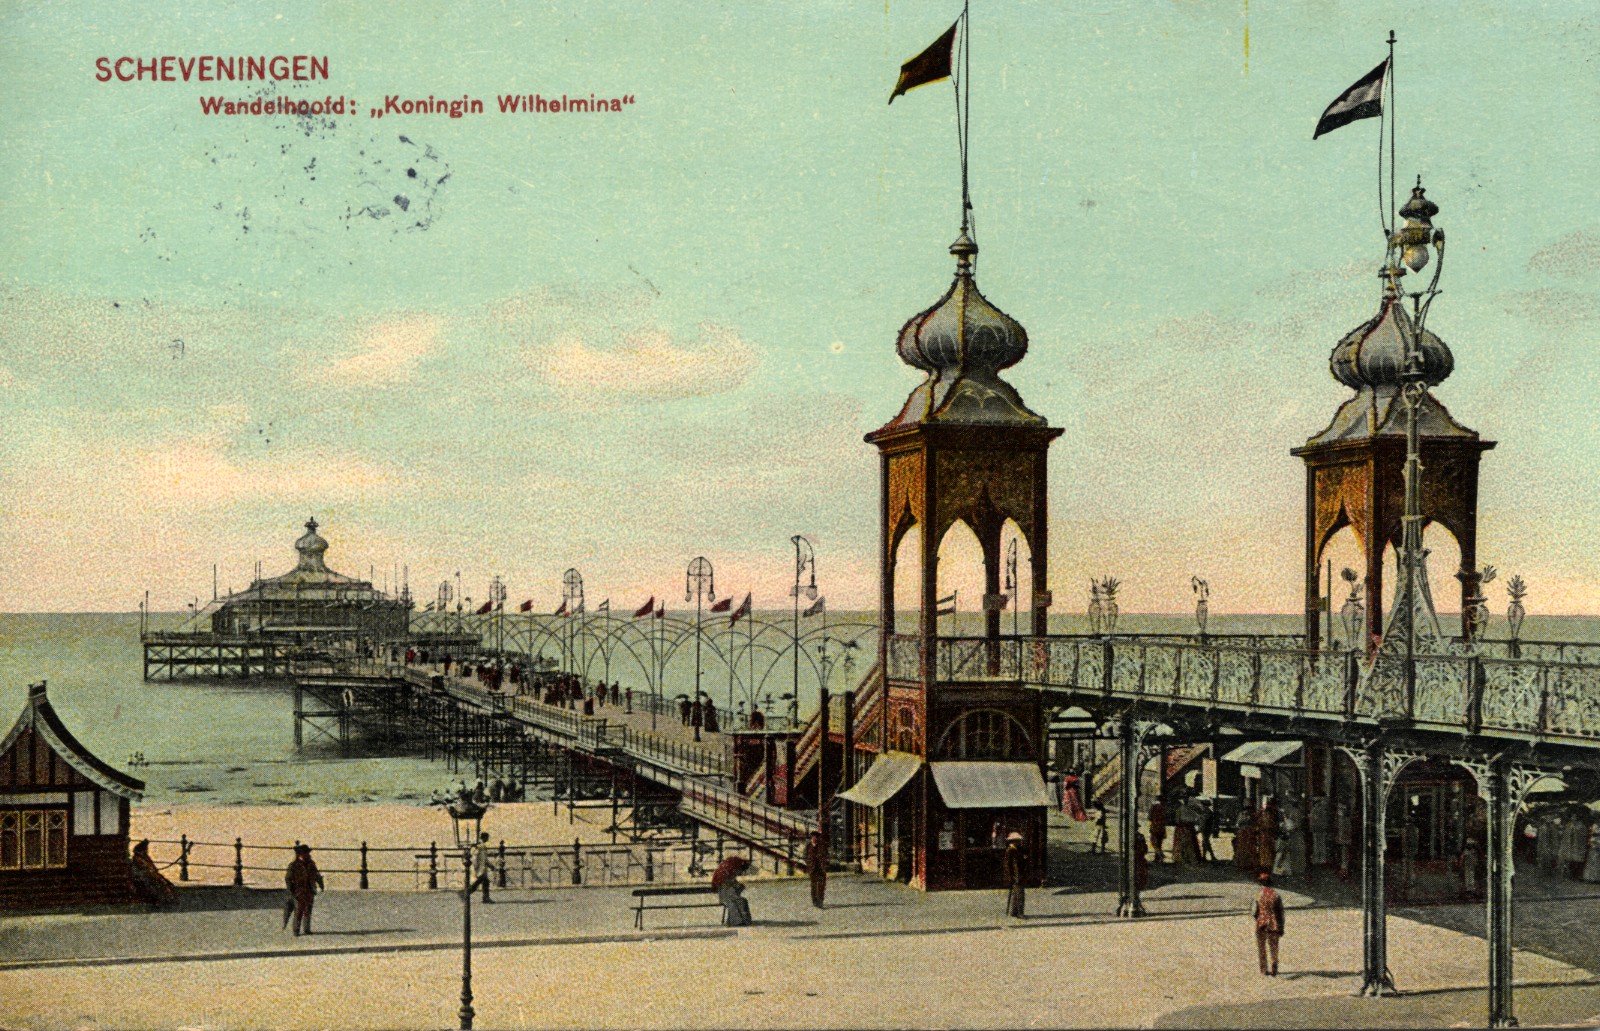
pixel 816 868
pixel 1268 916
pixel 480 866
pixel 303 879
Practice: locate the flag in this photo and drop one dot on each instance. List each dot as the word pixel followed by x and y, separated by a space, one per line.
pixel 562 611
pixel 484 609
pixel 820 605
pixel 946 606
pixel 579 610
pixel 526 606
pixel 931 65
pixel 605 606
pixel 742 610
pixel 646 609
pixel 1363 100
pixel 661 613
pixel 722 606
pixel 429 606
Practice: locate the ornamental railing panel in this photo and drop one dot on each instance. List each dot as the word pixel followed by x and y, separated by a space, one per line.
pixel 1127 667
pixel 1235 676
pixel 1197 673
pixel 1161 670
pixel 1444 690
pixel 905 657
pixel 1280 680
pixel 1091 665
pixel 1512 695
pixel 1573 708
pixel 1323 675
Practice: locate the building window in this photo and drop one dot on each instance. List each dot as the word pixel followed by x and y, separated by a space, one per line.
pixel 33 839
pixel 985 734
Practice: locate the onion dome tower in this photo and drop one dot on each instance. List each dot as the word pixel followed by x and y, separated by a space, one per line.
pixel 964 447
pixel 1355 466
pixel 311 548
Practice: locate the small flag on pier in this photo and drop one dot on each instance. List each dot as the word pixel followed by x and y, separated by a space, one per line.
pixel 722 606
pixel 646 609
pixel 526 606
pixel 428 607
pixel 931 65
pixel 818 606
pixel 485 608
pixel 1362 100
pixel 605 606
pixel 562 611
pixel 946 606
pixel 742 610
pixel 661 612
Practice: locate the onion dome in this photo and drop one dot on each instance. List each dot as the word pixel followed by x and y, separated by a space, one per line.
pixel 962 343
pixel 1374 353
pixel 311 548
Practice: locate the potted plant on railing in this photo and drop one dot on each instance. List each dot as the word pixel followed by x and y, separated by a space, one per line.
pixel 1352 613
pixel 1096 608
pixel 1108 604
pixel 1202 594
pixel 1515 613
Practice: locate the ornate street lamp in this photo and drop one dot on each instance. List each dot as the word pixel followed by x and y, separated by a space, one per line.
pixel 699 585
pixel 805 565
pixel 572 602
pixel 466 820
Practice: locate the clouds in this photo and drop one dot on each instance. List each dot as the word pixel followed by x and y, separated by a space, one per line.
pixel 388 351
pixel 1571 256
pixel 649 365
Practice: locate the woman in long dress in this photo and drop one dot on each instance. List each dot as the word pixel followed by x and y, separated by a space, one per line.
pixel 725 882
pixel 1071 798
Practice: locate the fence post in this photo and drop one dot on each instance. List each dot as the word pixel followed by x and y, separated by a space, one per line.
pixel 433 866
pixel 238 862
pixel 183 857
pixel 502 877
pixel 577 861
pixel 649 866
pixel 364 884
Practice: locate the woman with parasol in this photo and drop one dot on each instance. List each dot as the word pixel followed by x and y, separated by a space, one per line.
pixel 725 882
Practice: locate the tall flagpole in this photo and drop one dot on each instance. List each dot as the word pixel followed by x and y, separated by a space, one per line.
pixel 1390 106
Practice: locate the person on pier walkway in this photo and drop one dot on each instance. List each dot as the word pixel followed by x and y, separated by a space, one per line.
pixel 816 868
pixel 1268 919
pixel 684 709
pixel 1158 827
pixel 1016 893
pixel 148 880
pixel 303 880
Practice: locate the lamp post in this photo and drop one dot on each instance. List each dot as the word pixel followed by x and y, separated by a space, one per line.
pixel 805 563
pixel 699 585
pixel 460 622
pixel 497 599
pixel 466 819
pixel 572 601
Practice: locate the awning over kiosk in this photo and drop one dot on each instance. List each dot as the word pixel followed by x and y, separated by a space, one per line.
pixel 890 772
pixel 979 785
pixel 1263 753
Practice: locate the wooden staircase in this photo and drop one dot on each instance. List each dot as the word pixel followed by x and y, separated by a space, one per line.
pixel 869 710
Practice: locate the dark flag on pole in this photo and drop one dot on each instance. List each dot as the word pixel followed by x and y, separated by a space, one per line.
pixel 742 610
pixel 526 606
pixel 931 65
pixel 646 609
pixel 722 606
pixel 816 607
pixel 485 608
pixel 562 611
pixel 1363 100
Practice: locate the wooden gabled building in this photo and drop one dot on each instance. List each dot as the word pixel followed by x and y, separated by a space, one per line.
pixel 63 816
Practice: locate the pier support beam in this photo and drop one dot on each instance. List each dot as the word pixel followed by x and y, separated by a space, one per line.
pixel 1128 902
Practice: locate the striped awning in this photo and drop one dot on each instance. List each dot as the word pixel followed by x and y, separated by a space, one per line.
pixel 1263 753
pixel 890 772
pixel 990 785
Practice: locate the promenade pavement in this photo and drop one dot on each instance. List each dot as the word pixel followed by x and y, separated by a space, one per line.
pixel 879 955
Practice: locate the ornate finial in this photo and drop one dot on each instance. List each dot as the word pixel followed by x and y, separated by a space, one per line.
pixel 311 525
pixel 1413 238
pixel 965 249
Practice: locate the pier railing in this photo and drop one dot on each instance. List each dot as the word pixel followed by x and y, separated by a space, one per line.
pixel 1473 693
pixel 442 867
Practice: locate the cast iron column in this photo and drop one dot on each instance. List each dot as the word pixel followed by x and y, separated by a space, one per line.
pixel 1502 811
pixel 1128 902
pixel 1375 979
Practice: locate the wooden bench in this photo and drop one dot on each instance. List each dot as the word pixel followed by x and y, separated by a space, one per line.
pixel 642 897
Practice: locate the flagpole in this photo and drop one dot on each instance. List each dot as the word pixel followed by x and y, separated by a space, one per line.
pixel 1390 106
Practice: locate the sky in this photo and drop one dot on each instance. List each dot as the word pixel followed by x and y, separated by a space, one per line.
pixel 510 344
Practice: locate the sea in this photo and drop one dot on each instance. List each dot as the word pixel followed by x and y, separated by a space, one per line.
pixel 232 743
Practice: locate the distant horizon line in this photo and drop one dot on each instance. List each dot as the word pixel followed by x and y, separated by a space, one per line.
pixel 619 614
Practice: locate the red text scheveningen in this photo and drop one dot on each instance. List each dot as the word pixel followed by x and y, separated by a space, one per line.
pixel 211 68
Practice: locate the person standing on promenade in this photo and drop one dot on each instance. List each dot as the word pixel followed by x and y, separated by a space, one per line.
pixel 1015 892
pixel 480 866
pixel 816 868
pixel 303 880
pixel 1268 918
pixel 1158 827
pixel 1102 835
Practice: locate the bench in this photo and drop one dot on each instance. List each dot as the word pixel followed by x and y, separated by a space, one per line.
pixel 642 897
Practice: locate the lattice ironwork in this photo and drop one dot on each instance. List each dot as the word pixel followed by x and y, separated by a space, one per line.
pixel 905 657
pixel 1198 673
pixel 1574 700
pixel 1236 680
pixel 1127 667
pixel 1512 692
pixel 1280 680
pixel 1323 675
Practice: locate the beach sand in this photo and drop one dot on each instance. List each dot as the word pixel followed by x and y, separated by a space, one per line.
pixel 336 832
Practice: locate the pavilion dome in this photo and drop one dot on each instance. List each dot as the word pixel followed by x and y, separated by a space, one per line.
pixel 311 547
pixel 1374 353
pixel 961 343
